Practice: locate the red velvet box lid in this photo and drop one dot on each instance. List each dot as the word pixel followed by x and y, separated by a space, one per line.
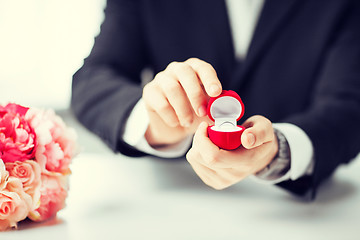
pixel 228 104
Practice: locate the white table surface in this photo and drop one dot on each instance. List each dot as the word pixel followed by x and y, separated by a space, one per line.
pixel 117 197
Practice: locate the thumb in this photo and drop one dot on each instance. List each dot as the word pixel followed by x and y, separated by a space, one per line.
pixel 259 131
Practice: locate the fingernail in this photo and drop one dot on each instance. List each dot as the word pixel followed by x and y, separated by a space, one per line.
pixel 214 89
pixel 202 111
pixel 251 139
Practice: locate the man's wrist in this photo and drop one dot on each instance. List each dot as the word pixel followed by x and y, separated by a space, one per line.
pixel 280 164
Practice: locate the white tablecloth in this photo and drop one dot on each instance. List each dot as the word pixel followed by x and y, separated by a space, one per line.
pixel 117 197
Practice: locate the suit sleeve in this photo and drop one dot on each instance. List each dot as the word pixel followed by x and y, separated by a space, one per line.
pixel 108 85
pixel 333 119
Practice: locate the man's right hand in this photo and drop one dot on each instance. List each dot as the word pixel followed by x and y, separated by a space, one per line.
pixel 176 100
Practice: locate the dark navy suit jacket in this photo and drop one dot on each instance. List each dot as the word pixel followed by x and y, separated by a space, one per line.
pixel 302 67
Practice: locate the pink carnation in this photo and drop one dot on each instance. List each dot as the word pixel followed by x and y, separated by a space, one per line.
pixel 14 204
pixel 56 143
pixel 29 173
pixel 53 194
pixel 17 138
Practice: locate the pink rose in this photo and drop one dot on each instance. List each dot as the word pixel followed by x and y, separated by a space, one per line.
pixel 29 173
pixel 4 175
pixel 17 138
pixel 56 142
pixel 53 194
pixel 14 204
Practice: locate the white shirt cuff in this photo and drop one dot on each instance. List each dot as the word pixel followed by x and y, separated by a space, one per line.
pixel 134 135
pixel 301 152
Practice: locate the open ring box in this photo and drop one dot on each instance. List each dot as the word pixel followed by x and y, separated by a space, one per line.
pixel 225 110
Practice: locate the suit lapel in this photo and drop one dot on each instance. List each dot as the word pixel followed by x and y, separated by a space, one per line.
pixel 273 16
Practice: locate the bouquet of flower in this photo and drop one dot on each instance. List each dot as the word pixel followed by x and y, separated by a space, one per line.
pixel 36 148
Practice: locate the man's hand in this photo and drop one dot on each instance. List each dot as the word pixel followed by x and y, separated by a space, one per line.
pixel 219 168
pixel 176 100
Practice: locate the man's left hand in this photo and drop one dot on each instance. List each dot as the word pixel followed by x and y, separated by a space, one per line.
pixel 220 168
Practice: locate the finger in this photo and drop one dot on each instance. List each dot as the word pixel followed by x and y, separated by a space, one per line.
pixel 209 151
pixel 177 98
pixel 258 131
pixel 210 177
pixel 207 76
pixel 204 173
pixel 156 101
pixel 242 158
pixel 192 87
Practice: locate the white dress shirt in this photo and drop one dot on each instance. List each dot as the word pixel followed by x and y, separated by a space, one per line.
pixel 243 15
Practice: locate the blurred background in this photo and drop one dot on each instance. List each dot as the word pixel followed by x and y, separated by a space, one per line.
pixel 42 44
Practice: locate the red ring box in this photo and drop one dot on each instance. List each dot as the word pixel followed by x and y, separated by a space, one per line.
pixel 225 110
